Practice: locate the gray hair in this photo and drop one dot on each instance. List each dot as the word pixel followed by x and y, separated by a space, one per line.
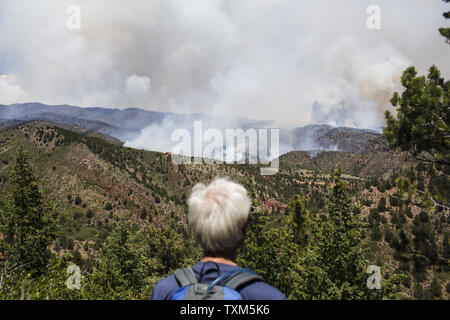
pixel 218 213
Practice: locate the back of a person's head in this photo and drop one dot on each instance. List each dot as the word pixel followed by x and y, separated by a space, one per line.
pixel 218 213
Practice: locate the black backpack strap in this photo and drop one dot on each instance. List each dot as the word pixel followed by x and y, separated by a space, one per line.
pixel 185 276
pixel 240 279
pixel 237 279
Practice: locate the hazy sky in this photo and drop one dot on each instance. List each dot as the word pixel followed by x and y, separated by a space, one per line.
pixel 292 61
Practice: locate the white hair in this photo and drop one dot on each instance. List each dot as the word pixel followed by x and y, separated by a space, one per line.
pixel 218 213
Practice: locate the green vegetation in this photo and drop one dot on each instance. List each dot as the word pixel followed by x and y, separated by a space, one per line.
pixel 445 32
pixel 334 264
pixel 120 215
pixel 422 124
pixel 27 224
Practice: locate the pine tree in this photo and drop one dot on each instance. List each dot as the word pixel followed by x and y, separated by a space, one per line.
pixel 117 272
pixel 376 234
pixel 270 249
pixel 333 266
pixel 422 123
pixel 434 289
pixel 445 32
pixel 299 219
pixel 28 225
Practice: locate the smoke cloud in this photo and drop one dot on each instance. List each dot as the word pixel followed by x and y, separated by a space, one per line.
pixel 293 62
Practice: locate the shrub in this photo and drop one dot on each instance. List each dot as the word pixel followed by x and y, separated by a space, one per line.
pixel 376 234
pixel 90 214
pixel 382 205
pixel 77 215
pixel 143 213
pixel 78 201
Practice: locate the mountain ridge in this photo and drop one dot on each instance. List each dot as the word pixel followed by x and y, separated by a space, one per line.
pixel 127 124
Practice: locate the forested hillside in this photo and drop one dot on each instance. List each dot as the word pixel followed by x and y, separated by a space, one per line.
pixel 120 215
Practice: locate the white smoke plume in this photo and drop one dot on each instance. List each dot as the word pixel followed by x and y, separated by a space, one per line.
pixel 290 61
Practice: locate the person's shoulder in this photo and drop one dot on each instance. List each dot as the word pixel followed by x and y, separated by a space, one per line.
pixel 165 288
pixel 260 290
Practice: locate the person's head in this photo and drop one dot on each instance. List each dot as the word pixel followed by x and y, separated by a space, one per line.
pixel 218 214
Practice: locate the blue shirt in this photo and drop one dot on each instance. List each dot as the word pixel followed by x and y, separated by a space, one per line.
pixel 258 290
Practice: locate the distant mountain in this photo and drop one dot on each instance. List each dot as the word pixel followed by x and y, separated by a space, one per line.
pixel 126 125
pixel 121 124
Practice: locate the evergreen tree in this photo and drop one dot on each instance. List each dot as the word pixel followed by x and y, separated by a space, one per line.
pixel 422 124
pixel 445 32
pixel 117 272
pixel 446 247
pixel 269 249
pixel 382 205
pixel 333 266
pixel 169 248
pixel 299 219
pixel 419 293
pixel 376 234
pixel 28 225
pixel 434 289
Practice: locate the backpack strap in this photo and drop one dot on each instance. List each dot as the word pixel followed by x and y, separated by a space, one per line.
pixel 185 276
pixel 236 279
pixel 241 279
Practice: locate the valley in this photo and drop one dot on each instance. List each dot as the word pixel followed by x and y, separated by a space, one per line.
pixel 95 184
